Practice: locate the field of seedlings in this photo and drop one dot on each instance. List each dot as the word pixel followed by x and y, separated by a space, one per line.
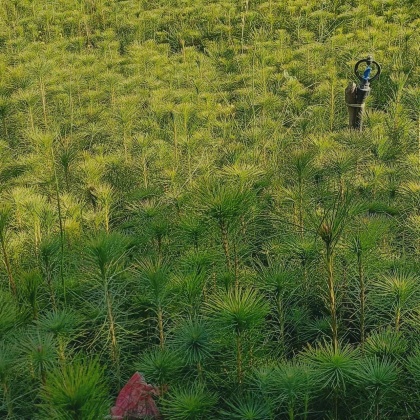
pixel 181 196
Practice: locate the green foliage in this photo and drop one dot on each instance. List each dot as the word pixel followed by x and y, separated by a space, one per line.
pixel 395 297
pixel 414 366
pixel 224 203
pixel 39 354
pixel 190 402
pixel 59 323
pixel 288 387
pixel 333 370
pixel 30 290
pixel 154 277
pixel 193 340
pixel 386 343
pixel 333 373
pixel 5 218
pixel 161 366
pixel 8 313
pixel 106 252
pixel 238 310
pixel 248 407
pixel 6 362
pixel 76 391
pixel 180 193
pixel 378 379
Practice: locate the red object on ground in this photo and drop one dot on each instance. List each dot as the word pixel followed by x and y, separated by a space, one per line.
pixel 135 400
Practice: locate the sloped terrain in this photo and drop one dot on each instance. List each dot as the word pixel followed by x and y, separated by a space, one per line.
pixel 180 196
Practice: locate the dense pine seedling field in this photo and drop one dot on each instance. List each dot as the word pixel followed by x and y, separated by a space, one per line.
pixel 180 196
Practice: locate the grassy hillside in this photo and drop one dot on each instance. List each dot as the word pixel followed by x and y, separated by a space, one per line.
pixel 180 195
